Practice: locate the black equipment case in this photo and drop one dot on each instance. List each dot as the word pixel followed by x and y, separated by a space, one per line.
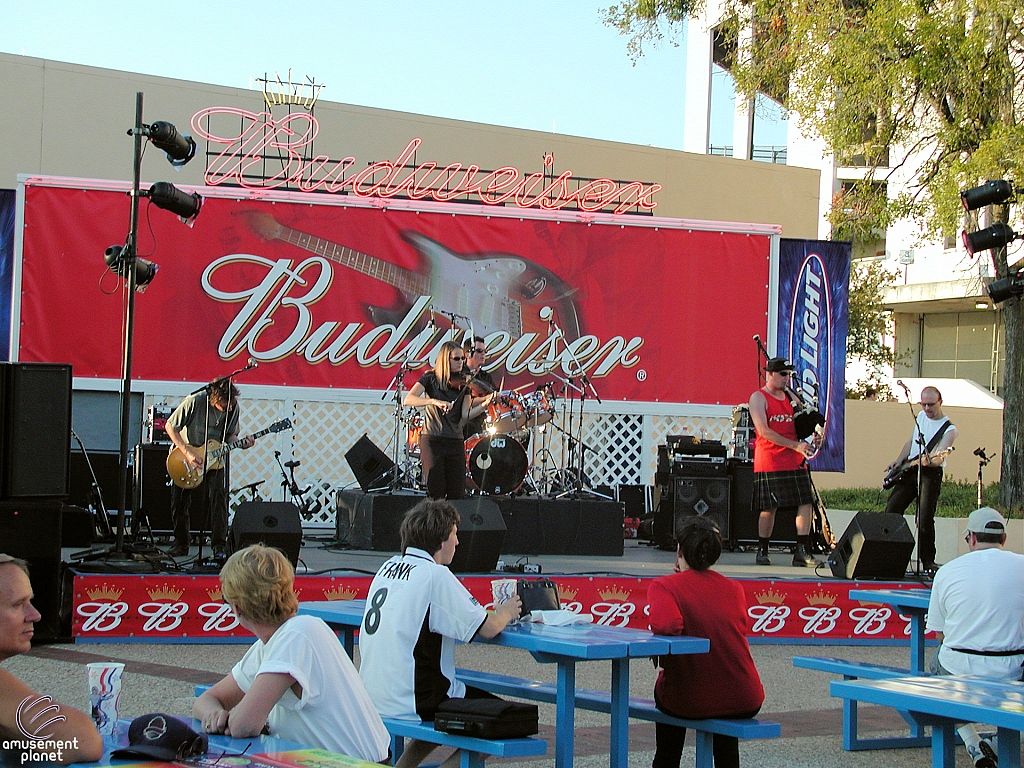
pixel 487 718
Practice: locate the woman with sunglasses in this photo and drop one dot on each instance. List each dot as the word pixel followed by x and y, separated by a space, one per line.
pixel 444 395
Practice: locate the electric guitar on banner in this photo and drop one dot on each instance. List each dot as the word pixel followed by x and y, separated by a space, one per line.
pixel 186 476
pixel 483 293
pixel 894 474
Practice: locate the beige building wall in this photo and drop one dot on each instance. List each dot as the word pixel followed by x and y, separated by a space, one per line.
pixel 875 433
pixel 68 120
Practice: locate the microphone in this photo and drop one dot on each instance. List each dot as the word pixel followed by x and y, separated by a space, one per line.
pixel 756 337
pixel 252 364
pixel 980 452
pixel 292 464
pixel 904 386
pixel 547 313
pixel 432 323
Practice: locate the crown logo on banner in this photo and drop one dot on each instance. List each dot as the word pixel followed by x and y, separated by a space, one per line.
pixel 166 592
pixel 615 593
pixel 301 94
pixel 340 592
pixel 566 593
pixel 770 596
pixel 105 592
pixel 821 598
pixel 215 594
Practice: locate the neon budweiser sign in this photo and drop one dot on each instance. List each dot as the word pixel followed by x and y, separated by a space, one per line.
pixel 259 139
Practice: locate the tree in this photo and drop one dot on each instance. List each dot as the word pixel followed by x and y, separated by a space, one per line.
pixel 929 90
pixel 869 322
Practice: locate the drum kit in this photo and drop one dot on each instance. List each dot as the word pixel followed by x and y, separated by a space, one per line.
pixel 513 454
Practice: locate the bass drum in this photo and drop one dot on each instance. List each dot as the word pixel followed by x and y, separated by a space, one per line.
pixel 495 464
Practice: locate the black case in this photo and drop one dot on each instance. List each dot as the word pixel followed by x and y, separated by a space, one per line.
pixel 486 718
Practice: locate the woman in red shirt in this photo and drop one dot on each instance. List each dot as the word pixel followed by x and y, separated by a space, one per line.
pixel 702 603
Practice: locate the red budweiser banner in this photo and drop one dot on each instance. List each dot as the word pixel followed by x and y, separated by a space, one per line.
pixel 179 607
pixel 336 292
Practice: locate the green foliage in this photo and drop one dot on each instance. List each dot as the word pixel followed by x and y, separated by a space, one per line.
pixel 931 90
pixel 957 499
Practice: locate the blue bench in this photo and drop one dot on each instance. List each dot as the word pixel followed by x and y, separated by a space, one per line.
pixel 474 751
pixel 859 670
pixel 639 709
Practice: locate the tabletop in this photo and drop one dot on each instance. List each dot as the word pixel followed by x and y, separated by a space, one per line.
pixel 915 599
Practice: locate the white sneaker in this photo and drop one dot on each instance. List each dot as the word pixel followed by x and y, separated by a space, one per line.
pixel 982 755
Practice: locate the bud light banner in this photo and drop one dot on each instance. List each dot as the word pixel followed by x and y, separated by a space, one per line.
pixel 814 278
pixel 6 265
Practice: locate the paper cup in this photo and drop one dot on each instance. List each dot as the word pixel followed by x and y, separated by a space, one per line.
pixel 104 693
pixel 502 590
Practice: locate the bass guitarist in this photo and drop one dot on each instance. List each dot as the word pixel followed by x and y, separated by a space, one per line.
pixel 210 414
pixel 933 433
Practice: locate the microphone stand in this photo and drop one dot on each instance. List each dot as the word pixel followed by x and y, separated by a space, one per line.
pixel 100 516
pixel 400 468
pixel 983 461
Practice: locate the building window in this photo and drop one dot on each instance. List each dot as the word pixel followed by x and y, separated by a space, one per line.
pixel 960 346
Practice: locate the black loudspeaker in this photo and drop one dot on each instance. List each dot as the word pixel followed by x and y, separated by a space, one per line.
pixel 875 545
pixel 372 520
pixel 273 523
pixel 36 429
pixel 32 532
pixel 705 496
pixel 369 464
pixel 151 506
pixel 481 534
pixel 744 516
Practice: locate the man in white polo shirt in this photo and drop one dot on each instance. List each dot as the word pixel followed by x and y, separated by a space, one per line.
pixel 416 610
pixel 977 613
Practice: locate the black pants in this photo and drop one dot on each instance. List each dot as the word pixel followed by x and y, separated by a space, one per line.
pixel 670 740
pixel 444 467
pixel 903 495
pixel 217 504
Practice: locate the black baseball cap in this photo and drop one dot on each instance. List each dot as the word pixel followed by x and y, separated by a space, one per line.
pixel 164 737
pixel 779 364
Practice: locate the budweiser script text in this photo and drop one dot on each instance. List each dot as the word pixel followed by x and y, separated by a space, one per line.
pixel 281 305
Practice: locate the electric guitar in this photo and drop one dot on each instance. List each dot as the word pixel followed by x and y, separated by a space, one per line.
pixel 894 474
pixel 486 292
pixel 184 475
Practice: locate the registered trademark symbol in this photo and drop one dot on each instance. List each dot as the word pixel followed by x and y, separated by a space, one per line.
pixel 641 375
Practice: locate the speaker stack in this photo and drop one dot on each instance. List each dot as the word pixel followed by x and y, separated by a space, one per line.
pixel 694 476
pixel 481 534
pixel 35 449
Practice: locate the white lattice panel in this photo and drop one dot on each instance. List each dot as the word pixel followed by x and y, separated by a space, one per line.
pixel 624 445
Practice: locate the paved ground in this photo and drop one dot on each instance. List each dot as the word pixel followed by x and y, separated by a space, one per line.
pixel 161 677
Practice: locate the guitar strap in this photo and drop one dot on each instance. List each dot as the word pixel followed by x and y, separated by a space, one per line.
pixel 930 447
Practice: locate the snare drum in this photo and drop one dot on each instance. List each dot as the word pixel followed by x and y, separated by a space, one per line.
pixel 495 464
pixel 505 413
pixel 414 427
pixel 539 409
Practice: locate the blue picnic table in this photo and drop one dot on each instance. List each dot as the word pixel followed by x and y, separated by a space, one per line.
pixel 944 701
pixel 563 646
pixel 909 602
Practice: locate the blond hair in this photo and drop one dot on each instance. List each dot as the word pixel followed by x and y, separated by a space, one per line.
pixel 258 583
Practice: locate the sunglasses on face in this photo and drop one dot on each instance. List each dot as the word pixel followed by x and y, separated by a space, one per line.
pixel 453 357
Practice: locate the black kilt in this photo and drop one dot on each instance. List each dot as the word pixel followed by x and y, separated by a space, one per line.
pixel 788 488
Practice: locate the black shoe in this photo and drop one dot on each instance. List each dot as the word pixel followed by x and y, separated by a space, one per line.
pixel 762 559
pixel 178 550
pixel 220 551
pixel 801 559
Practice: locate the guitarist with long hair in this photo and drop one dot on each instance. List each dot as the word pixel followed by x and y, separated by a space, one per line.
pixel 926 449
pixel 210 414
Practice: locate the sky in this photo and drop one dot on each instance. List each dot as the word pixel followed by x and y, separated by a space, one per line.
pixel 546 65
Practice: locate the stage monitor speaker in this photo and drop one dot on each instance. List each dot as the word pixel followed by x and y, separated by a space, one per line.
pixel 372 520
pixel 875 545
pixel 369 464
pixel 36 429
pixel 705 496
pixel 272 523
pixel 481 534
pixel 32 532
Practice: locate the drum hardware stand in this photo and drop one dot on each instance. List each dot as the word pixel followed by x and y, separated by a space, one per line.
pixel 401 472
pixel 294 492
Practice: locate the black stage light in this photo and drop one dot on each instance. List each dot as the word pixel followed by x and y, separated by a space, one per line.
pixel 989 193
pixel 996 236
pixel 170 198
pixel 180 148
pixel 145 271
pixel 1006 288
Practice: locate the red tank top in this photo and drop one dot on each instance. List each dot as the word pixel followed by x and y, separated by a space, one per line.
pixel 769 457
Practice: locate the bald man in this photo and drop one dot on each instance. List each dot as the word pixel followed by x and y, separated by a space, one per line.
pixel 932 434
